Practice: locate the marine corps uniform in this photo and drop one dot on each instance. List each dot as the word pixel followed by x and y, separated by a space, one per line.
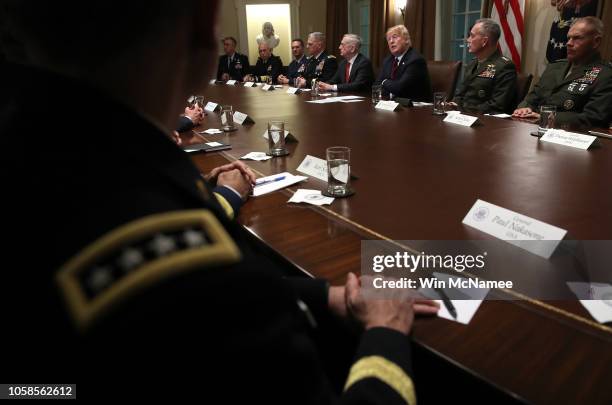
pixel 583 97
pixel 128 278
pixel 488 86
pixel 269 68
pixel 322 68
pixel 237 67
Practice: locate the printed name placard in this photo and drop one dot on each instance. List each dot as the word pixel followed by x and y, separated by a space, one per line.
pixel 314 167
pixel 242 118
pixel 571 139
pixel 461 119
pixel 293 90
pixel 520 230
pixel 231 82
pixel 211 107
pixel 267 87
pixel 288 136
pixel 386 105
pixel 249 84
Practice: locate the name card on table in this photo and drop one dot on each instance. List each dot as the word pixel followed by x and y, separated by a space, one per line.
pixel 249 84
pixel 267 87
pixel 522 231
pixel 293 90
pixel 211 107
pixel 231 82
pixel 386 105
pixel 314 167
pixel 242 118
pixel 571 139
pixel 461 119
pixel 213 81
pixel 288 136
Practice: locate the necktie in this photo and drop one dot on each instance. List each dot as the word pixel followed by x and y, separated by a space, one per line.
pixel 393 68
pixel 229 62
pixel 347 72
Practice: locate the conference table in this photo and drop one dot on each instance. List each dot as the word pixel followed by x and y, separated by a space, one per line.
pixel 417 178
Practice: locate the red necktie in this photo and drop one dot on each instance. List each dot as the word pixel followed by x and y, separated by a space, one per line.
pixel 347 72
pixel 393 68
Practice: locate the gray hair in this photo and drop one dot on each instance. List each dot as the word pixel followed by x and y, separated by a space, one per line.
pixel 595 23
pixel 317 36
pixel 490 28
pixel 354 40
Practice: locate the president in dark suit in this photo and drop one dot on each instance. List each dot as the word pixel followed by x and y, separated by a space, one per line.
pixel 404 72
pixel 354 72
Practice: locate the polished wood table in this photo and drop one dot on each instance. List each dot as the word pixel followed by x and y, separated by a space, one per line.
pixel 417 179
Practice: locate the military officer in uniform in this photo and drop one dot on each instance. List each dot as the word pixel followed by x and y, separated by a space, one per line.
pixel 320 66
pixel 580 87
pixel 267 68
pixel 232 65
pixel 297 66
pixel 127 275
pixel 489 81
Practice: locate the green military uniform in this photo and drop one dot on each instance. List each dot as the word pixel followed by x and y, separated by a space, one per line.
pixel 488 86
pixel 583 97
pixel 322 68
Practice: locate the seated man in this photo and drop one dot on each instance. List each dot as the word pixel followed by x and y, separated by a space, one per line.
pixel 354 72
pixel 268 66
pixel 404 72
pixel 489 81
pixel 232 65
pixel 320 66
pixel 138 271
pixel 581 86
pixel 297 66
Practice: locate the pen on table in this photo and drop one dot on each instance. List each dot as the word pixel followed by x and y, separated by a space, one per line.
pixel 447 302
pixel 259 183
pixel 600 134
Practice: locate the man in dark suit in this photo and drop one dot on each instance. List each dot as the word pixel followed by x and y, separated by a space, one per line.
pixel 232 65
pixel 297 66
pixel 404 72
pixel 320 66
pixel 268 66
pixel 354 72
pixel 139 273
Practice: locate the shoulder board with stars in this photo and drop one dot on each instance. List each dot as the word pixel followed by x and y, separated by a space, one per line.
pixel 506 59
pixel 139 255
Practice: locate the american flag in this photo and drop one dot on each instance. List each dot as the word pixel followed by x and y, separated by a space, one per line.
pixel 509 14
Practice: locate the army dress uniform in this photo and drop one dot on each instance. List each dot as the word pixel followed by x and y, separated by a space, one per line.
pixel 322 68
pixel 128 278
pixel 583 97
pixel 488 86
pixel 237 66
pixel 269 68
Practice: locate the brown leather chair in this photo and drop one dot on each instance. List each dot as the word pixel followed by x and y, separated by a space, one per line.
pixel 523 83
pixel 444 76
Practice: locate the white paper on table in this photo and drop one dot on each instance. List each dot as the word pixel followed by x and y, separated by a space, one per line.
pixel 324 101
pixel 465 308
pixel 351 101
pixel 313 197
pixel 349 98
pixel 500 115
pixel 259 156
pixel 288 180
pixel 600 305
pixel 421 104
pixel 211 131
pixel 325 94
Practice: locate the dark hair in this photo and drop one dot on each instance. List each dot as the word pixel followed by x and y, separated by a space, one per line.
pixel 231 39
pixel 86 35
pixel 298 40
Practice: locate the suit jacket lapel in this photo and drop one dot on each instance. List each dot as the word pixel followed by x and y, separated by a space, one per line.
pixel 354 67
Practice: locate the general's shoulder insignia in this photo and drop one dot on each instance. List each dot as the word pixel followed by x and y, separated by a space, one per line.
pixel 505 59
pixel 139 255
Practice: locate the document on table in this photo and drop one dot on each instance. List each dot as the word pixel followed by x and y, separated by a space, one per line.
pixel 268 184
pixel 500 115
pixel 259 156
pixel 466 308
pixel 599 303
pixel 313 197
